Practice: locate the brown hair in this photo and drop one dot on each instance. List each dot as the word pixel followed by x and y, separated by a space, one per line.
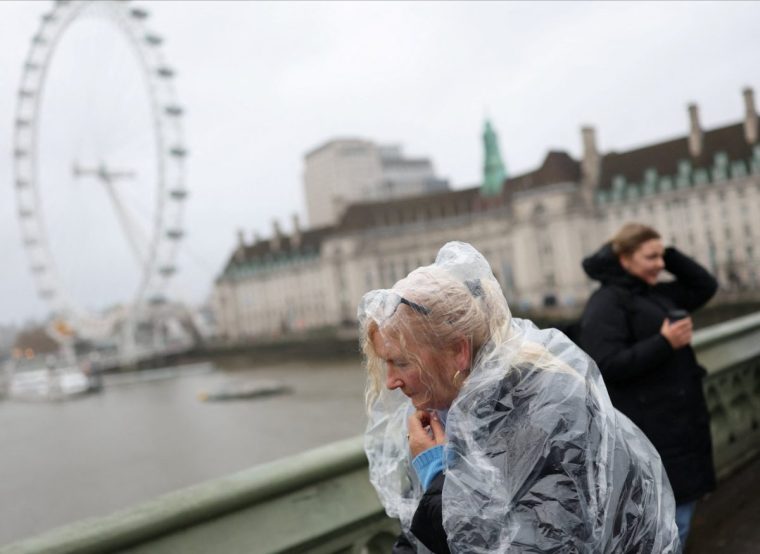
pixel 630 236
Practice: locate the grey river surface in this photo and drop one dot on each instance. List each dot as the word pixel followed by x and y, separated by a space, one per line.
pixel 139 438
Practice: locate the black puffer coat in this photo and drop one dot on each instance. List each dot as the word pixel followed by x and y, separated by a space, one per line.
pixel 659 388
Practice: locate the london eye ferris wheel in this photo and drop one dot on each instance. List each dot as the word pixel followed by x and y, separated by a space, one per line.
pixel 99 160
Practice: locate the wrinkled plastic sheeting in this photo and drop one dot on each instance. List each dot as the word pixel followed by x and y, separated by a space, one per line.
pixel 537 459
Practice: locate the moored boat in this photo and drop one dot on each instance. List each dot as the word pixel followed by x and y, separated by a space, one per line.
pixel 49 383
pixel 238 390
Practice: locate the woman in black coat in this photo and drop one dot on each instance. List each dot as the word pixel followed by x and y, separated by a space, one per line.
pixel 636 330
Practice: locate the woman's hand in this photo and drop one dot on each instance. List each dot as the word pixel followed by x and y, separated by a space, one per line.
pixel 425 431
pixel 678 333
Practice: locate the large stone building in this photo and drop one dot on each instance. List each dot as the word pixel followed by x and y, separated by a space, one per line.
pixel 702 191
pixel 344 171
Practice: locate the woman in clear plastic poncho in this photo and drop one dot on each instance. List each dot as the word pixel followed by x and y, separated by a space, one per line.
pixel 486 434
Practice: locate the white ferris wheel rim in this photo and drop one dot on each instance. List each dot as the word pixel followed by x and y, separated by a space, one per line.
pixel 171 152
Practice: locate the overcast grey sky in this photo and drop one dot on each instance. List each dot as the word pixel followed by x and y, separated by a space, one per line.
pixel 265 82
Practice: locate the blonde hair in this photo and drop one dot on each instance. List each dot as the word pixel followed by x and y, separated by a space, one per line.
pixel 630 237
pixel 476 312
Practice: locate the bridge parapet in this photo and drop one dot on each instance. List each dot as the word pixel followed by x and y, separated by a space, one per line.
pixel 318 501
pixel 731 354
pixel 321 501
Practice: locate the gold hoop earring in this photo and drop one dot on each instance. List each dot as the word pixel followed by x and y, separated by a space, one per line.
pixel 456 377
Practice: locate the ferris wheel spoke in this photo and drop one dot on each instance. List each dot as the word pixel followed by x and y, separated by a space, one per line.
pixel 136 238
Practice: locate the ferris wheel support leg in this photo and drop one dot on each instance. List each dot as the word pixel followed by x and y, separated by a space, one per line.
pixel 128 344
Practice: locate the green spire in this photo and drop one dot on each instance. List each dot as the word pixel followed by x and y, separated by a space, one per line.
pixel 493 168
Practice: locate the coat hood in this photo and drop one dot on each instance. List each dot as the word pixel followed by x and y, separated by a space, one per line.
pixel 604 266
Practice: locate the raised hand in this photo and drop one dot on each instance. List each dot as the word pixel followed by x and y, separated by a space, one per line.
pixel 425 431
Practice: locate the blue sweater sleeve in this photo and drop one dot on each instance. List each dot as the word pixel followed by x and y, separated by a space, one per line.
pixel 428 465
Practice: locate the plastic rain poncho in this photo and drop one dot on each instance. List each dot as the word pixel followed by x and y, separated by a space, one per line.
pixel 537 459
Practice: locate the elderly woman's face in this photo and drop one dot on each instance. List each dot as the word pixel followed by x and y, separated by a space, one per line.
pixel 437 391
pixel 646 262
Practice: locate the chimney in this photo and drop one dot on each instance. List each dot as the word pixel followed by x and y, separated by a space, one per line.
pixel 590 164
pixel 695 132
pixel 276 241
pixel 750 116
pixel 295 240
pixel 240 251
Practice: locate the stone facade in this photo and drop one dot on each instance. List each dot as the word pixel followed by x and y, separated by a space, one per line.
pixel 701 191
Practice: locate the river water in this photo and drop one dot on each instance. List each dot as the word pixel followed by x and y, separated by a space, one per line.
pixel 141 437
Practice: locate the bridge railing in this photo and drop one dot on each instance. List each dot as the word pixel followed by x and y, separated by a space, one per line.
pixel 321 501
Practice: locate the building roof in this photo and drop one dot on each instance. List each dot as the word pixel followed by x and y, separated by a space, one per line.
pixel 311 241
pixel 665 156
pixel 557 167
pixel 397 211
pixel 341 141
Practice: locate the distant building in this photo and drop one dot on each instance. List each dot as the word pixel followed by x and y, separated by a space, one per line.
pixel 345 171
pixel 35 341
pixel 701 191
